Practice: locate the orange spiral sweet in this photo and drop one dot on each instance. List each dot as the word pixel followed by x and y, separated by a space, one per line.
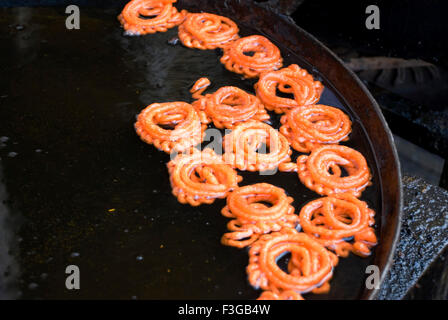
pixel 280 295
pixel 141 17
pixel 227 106
pixel 323 170
pixel 334 219
pixel 251 55
pixel 207 31
pixel 201 177
pixel 291 80
pixel 252 218
pixel 170 126
pixel 262 215
pixel 309 127
pixel 295 265
pixel 244 144
pixel 310 266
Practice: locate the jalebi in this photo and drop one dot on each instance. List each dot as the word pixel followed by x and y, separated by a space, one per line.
pixel 310 266
pixel 201 177
pixel 251 215
pixel 309 127
pixel 170 126
pixel 227 106
pixel 207 31
pixel 251 55
pixel 332 169
pixel 334 219
pixel 293 80
pixel 243 147
pixel 141 17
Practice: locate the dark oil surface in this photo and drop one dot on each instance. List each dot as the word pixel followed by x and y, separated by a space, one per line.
pixel 79 187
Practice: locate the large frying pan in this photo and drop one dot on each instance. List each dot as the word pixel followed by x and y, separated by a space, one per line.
pixel 90 193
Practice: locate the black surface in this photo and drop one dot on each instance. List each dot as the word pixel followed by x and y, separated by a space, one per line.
pixel 433 284
pixel 413 121
pixel 408 28
pixel 70 156
pixel 424 234
pixel 51 3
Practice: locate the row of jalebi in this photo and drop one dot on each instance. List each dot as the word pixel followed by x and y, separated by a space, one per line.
pixel 254 145
pixel 262 215
pixel 249 56
pixel 264 220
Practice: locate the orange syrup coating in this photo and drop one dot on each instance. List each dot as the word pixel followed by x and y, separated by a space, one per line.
pixel 290 80
pixel 207 31
pixel 294 266
pixel 243 145
pixel 310 266
pixel 201 177
pixel 170 126
pixel 282 295
pixel 309 127
pixel 251 55
pixel 227 106
pixel 252 218
pixel 141 17
pixel 322 170
pixel 331 220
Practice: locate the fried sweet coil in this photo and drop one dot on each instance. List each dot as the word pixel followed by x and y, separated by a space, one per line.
pixel 281 295
pixel 290 80
pixel 199 87
pixel 187 129
pixel 331 220
pixel 243 145
pixel 311 264
pixel 251 55
pixel 201 177
pixel 252 218
pixel 227 106
pixel 294 266
pixel 141 17
pixel 307 128
pixel 207 31
pixel 322 170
